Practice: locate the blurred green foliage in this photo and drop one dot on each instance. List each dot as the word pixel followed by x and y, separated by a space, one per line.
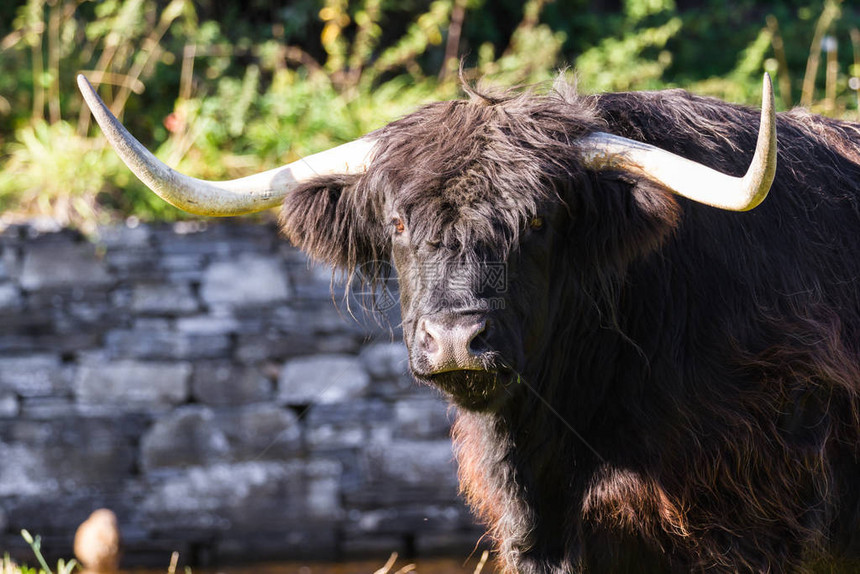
pixel 221 89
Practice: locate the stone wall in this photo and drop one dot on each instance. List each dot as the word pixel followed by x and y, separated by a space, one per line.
pixel 199 380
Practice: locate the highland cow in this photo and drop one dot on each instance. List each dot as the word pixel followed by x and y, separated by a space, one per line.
pixel 665 380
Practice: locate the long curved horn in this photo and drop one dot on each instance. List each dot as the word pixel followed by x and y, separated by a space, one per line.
pixel 602 151
pixel 222 198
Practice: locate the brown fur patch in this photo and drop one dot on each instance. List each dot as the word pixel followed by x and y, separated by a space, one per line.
pixel 624 500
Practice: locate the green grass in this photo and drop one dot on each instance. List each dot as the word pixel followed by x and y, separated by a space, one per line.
pixel 9 567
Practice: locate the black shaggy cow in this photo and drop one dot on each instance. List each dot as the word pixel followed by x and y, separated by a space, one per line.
pixel 653 385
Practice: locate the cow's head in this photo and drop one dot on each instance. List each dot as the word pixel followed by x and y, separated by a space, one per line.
pixel 478 204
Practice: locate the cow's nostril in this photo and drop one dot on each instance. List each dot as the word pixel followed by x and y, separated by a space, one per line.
pixel 478 340
pixel 428 341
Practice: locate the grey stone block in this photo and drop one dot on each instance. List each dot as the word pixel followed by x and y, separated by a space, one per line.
pixel 346 435
pixel 260 432
pixel 201 436
pixel 64 454
pixel 186 437
pixel 351 424
pixel 134 264
pixel 224 384
pixel 157 343
pixel 10 263
pixel 254 348
pixel 245 280
pixel 213 238
pixel 365 411
pixel 9 405
pixel 315 318
pixel 337 344
pixel 429 418
pixel 183 266
pixel 36 342
pixel 386 360
pixel 29 475
pixel 317 282
pixel 414 463
pixel 292 255
pixel 322 379
pixel 47 407
pixel 55 264
pixel 213 324
pixel 10 297
pixel 164 299
pixel 133 384
pixel 323 496
pixel 255 496
pixel 33 375
pixel 94 311
pixel 125 236
pixel 38 320
pixel 152 324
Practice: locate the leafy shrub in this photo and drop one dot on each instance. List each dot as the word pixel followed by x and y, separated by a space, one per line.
pixel 216 104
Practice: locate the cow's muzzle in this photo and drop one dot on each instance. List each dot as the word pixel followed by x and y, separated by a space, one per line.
pixel 459 353
pixel 452 343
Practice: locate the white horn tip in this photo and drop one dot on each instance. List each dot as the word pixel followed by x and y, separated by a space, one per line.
pixel 84 83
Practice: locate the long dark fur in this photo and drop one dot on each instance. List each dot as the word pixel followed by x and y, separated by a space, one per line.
pixel 704 366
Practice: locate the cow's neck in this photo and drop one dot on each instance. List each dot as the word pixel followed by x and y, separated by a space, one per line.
pixel 522 480
pixel 523 468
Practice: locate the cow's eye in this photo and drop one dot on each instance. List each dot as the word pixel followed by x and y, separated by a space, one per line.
pixel 398 225
pixel 536 223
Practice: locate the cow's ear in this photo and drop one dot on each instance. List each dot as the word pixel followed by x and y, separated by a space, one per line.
pixel 334 221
